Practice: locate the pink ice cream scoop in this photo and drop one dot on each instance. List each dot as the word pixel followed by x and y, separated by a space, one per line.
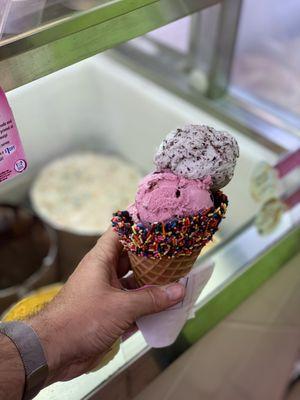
pixel 162 196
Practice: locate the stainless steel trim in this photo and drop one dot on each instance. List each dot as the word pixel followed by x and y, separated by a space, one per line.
pixel 58 45
pixel 203 35
pixel 212 43
pixel 224 48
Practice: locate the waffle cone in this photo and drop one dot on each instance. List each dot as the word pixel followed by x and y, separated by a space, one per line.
pixel 148 271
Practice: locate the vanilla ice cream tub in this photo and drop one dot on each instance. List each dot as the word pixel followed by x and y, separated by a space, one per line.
pixel 77 194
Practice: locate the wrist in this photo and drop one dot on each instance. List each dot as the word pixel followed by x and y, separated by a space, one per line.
pixel 55 332
pixel 49 338
pixel 12 373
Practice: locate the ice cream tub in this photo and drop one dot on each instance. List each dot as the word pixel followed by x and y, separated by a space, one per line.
pixel 76 194
pixel 28 253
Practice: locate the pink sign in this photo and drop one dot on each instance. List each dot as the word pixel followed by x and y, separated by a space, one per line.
pixel 12 156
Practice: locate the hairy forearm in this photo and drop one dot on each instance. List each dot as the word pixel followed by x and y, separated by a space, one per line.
pixel 85 319
pixel 12 375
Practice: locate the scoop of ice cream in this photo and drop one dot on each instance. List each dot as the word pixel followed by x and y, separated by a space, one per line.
pixel 163 196
pixel 198 151
pixel 133 212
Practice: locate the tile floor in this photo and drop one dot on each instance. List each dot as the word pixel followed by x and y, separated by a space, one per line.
pixel 248 356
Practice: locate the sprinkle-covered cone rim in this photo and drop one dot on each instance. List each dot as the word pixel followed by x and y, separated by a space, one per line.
pixel 177 237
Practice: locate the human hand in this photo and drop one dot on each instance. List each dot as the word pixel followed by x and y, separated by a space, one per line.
pixel 93 310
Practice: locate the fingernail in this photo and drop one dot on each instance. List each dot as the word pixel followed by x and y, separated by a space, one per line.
pixel 174 292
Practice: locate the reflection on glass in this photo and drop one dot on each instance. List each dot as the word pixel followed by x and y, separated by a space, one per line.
pixel 175 35
pixel 267 60
pixel 19 16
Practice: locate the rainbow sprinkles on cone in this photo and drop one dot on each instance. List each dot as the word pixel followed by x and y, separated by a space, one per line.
pixel 178 207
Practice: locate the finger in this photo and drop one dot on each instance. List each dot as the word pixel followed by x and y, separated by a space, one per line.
pixel 124 264
pixel 129 282
pixel 154 299
pixel 133 329
pixel 108 248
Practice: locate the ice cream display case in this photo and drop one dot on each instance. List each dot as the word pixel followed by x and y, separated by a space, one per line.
pixel 110 111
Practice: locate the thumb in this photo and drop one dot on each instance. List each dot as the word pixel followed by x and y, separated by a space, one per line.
pixel 154 299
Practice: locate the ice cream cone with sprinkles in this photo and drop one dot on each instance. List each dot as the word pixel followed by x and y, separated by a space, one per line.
pixel 178 208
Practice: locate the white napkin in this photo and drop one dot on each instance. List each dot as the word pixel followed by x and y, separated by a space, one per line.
pixel 162 329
